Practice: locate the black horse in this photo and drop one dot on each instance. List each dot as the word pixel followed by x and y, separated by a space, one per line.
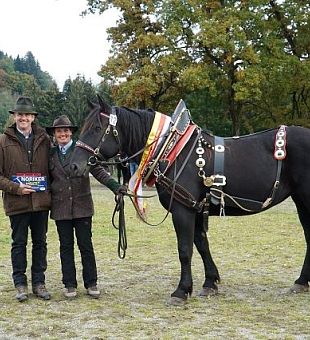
pixel 211 176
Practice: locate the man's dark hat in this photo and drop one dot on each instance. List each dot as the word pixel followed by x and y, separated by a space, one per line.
pixel 61 122
pixel 24 105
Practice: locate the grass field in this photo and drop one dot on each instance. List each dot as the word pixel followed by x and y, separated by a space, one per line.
pixel 258 257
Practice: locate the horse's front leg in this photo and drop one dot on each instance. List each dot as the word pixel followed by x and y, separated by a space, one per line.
pixel 184 225
pixel 212 275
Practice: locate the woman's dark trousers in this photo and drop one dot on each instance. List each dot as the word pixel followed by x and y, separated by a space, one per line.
pixel 83 233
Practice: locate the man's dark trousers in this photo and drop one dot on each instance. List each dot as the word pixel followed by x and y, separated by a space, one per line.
pixel 37 222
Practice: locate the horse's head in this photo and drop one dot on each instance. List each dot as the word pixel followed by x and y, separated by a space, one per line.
pixel 98 139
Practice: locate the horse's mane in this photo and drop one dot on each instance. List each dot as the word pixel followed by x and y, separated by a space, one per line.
pixel 135 123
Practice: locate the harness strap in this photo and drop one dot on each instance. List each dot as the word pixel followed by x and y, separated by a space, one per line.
pixel 218 195
pixel 219 155
pixel 234 201
pixel 219 148
pixel 275 186
pixel 180 194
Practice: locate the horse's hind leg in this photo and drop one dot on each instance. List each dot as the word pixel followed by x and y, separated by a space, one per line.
pixel 302 283
pixel 202 244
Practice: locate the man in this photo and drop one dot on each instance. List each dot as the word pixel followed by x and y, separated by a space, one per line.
pixel 72 209
pixel 24 149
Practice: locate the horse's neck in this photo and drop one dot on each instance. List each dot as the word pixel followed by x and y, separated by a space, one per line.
pixel 139 134
pixel 154 135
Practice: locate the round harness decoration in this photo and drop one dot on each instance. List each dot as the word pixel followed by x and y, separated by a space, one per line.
pixel 280 144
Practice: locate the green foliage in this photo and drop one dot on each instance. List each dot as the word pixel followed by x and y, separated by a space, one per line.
pixel 76 94
pixel 105 92
pixel 252 56
pixel 23 76
pixel 7 103
pixel 242 66
pixel 31 66
pixel 6 63
pixel 49 104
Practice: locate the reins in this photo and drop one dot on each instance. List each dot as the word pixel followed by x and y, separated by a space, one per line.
pixel 122 237
pixel 121 160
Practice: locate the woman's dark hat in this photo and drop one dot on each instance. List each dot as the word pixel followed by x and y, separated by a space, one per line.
pixel 61 122
pixel 24 105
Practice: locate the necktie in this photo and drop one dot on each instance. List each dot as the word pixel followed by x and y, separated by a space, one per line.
pixel 63 150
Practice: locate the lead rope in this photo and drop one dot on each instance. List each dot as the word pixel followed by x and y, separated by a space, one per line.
pixel 122 237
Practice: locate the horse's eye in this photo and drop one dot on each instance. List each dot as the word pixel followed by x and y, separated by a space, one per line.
pixel 98 129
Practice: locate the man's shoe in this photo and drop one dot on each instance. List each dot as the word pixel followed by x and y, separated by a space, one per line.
pixel 22 293
pixel 93 292
pixel 41 291
pixel 70 292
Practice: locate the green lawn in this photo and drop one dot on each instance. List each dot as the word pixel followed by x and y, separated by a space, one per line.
pixel 258 257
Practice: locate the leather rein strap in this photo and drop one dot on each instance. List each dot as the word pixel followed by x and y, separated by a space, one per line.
pixel 122 237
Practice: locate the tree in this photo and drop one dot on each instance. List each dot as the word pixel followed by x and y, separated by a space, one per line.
pixel 31 66
pixel 7 102
pixel 49 104
pixel 76 94
pixel 250 56
pixel 6 63
pixel 140 56
pixel 104 90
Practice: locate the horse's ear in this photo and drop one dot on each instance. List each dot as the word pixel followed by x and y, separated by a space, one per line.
pixel 104 106
pixel 91 104
pixel 100 100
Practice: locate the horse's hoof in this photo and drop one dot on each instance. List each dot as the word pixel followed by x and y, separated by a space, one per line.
pixel 208 291
pixel 297 288
pixel 176 301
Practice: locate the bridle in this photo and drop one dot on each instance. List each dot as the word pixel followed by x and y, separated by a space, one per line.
pixel 97 157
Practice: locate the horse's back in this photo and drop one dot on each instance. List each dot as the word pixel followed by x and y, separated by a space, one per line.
pixel 253 169
pixel 249 165
pixel 298 162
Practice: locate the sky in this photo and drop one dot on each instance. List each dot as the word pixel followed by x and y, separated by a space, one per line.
pixel 64 43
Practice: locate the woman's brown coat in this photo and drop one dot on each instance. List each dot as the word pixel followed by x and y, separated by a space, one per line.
pixel 71 196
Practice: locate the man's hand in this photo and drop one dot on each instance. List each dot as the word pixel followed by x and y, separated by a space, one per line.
pixel 26 189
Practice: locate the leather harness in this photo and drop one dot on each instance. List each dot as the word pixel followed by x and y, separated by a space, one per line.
pixel 218 195
pixel 181 120
pixel 217 182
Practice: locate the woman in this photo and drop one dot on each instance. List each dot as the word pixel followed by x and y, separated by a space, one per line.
pixel 72 208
